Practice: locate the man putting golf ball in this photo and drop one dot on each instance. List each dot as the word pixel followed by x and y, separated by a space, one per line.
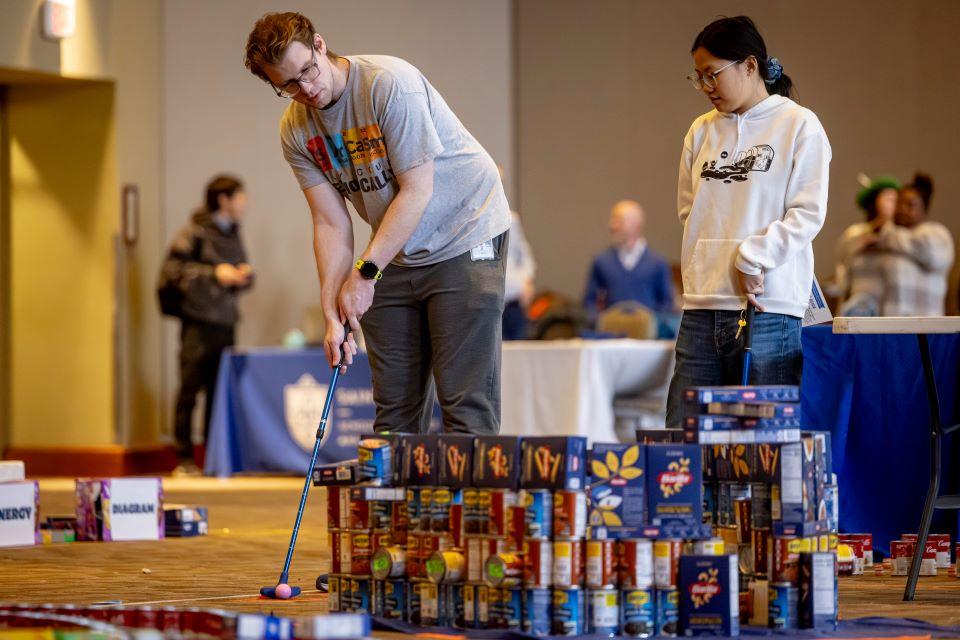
pixel 428 289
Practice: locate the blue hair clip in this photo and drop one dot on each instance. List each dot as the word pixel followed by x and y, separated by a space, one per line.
pixel 774 70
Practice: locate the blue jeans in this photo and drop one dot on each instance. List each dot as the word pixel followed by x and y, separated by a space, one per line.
pixel 709 354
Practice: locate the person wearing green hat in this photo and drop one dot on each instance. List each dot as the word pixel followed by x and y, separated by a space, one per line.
pixel 861 267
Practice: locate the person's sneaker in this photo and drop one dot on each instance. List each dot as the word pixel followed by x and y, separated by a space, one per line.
pixel 187 469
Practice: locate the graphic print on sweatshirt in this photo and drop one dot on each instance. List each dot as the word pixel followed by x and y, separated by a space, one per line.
pixel 756 158
pixel 358 156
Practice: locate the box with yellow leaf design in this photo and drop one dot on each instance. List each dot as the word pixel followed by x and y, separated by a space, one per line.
pixel 674 484
pixel 617 488
pixel 709 596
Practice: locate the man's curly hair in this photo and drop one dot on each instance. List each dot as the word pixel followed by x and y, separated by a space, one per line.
pixel 270 37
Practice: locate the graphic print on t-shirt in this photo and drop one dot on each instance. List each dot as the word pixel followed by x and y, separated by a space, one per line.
pixel 357 157
pixel 756 158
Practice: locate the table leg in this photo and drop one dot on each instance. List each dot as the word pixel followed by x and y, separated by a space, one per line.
pixel 934 488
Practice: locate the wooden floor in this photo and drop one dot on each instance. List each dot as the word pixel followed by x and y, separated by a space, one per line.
pixel 250 520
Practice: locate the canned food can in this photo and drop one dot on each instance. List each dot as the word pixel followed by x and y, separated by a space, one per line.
pixel 377 594
pixel 429 604
pixel 516 528
pixel 603 612
pixel 761 552
pixel 346 555
pixel 510 608
pixel 432 542
pixel 381 514
pixel 637 613
pixel 471 618
pixel 744 523
pixel 445 567
pixel 472 515
pixel 709 547
pixel 333 538
pixel 567 563
pixel 538 563
pixel 360 515
pixel 484 613
pixel 503 570
pixel 666 560
pixel 783 601
pixel 568 613
pixel 169 621
pixel 333 507
pixel 928 563
pixel 901 551
pixel 343 507
pixel 943 549
pixel 866 542
pixel 440 502
pixel 569 514
pixel 601 564
pixel 389 562
pixel 346 596
pixel 456 524
pixel 426 508
pixel 453 596
pixel 500 501
pixel 786 560
pixel 473 548
pixel 413 602
pixel 147 618
pixel 333 593
pixel 382 538
pixel 394 600
pixel 361 553
pixel 399 520
pixel 360 595
pixel 636 563
pixel 484 501
pixel 414 504
pixel 538 512
pixel 415 555
pixel 668 611
pixel 537 618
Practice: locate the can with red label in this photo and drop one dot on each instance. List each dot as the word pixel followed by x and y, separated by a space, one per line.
pixel 360 514
pixel 415 555
pixel 601 564
pixel 567 563
pixel 516 527
pixel 483 510
pixel 361 552
pixel 381 538
pixel 786 560
pixel 943 549
pixel 343 506
pixel 333 507
pixel 761 552
pixel 456 524
pixel 426 508
pixel 636 563
pixel 432 542
pixel 381 514
pixel 538 563
pixel 901 552
pixel 928 565
pixel 346 553
pixel 744 524
pixel 538 507
pixel 333 539
pixel 472 516
pixel 440 502
pixel 503 570
pixel 499 501
pixel 569 514
pixel 666 563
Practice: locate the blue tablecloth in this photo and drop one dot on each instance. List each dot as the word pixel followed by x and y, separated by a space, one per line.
pixel 868 391
pixel 267 408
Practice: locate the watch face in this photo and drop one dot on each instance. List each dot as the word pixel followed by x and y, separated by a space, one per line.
pixel 369 270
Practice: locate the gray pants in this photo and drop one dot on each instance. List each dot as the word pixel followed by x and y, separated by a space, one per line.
pixel 443 319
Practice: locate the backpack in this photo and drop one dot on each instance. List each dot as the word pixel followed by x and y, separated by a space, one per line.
pixel 169 293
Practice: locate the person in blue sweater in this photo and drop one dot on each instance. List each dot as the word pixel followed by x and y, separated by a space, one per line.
pixel 630 269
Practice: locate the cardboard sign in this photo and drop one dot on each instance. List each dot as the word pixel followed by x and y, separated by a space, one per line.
pixel 19 504
pixel 120 509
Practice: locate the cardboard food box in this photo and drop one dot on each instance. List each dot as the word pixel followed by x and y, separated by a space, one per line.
pixel 674 484
pixel 119 509
pixel 420 460
pixel 19 508
pixel 496 462
pixel 818 590
pixel 554 462
pixel 795 492
pixel 709 595
pixel 617 486
pixel 455 460
pixel 185 521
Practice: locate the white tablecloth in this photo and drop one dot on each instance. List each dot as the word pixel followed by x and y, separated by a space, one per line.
pixel 566 387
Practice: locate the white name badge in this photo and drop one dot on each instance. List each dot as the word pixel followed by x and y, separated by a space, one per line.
pixel 482 251
pixel 132 509
pixel 18 514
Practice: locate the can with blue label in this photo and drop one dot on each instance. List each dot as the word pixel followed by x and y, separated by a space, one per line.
pixel 453 599
pixel 668 611
pixel 536 615
pixel 346 596
pixel 415 508
pixel 637 613
pixel 378 591
pixel 374 459
pixel 538 512
pixel 360 595
pixel 429 604
pixel 783 605
pixel 394 599
pixel 510 608
pixel 568 612
pixel 413 602
pixel 603 612
pixel 471 615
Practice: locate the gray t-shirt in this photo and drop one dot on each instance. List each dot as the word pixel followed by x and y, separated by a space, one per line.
pixel 390 120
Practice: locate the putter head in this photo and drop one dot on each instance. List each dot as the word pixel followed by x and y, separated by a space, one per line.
pixel 271 592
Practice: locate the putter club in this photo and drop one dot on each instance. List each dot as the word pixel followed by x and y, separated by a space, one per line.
pixel 282 590
pixel 747 345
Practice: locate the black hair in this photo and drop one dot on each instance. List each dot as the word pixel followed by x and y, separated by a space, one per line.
pixel 923 185
pixel 737 39
pixel 221 185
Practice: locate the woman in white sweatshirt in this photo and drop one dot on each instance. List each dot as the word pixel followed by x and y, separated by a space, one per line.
pixel 752 196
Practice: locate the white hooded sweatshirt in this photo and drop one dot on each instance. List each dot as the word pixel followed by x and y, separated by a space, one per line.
pixel 752 196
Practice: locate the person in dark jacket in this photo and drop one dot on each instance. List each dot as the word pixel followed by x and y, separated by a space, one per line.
pixel 206 268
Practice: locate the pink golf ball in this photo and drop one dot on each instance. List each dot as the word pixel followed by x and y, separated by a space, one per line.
pixel 284 591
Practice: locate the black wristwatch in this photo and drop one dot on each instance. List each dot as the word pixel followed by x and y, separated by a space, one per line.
pixel 368 270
